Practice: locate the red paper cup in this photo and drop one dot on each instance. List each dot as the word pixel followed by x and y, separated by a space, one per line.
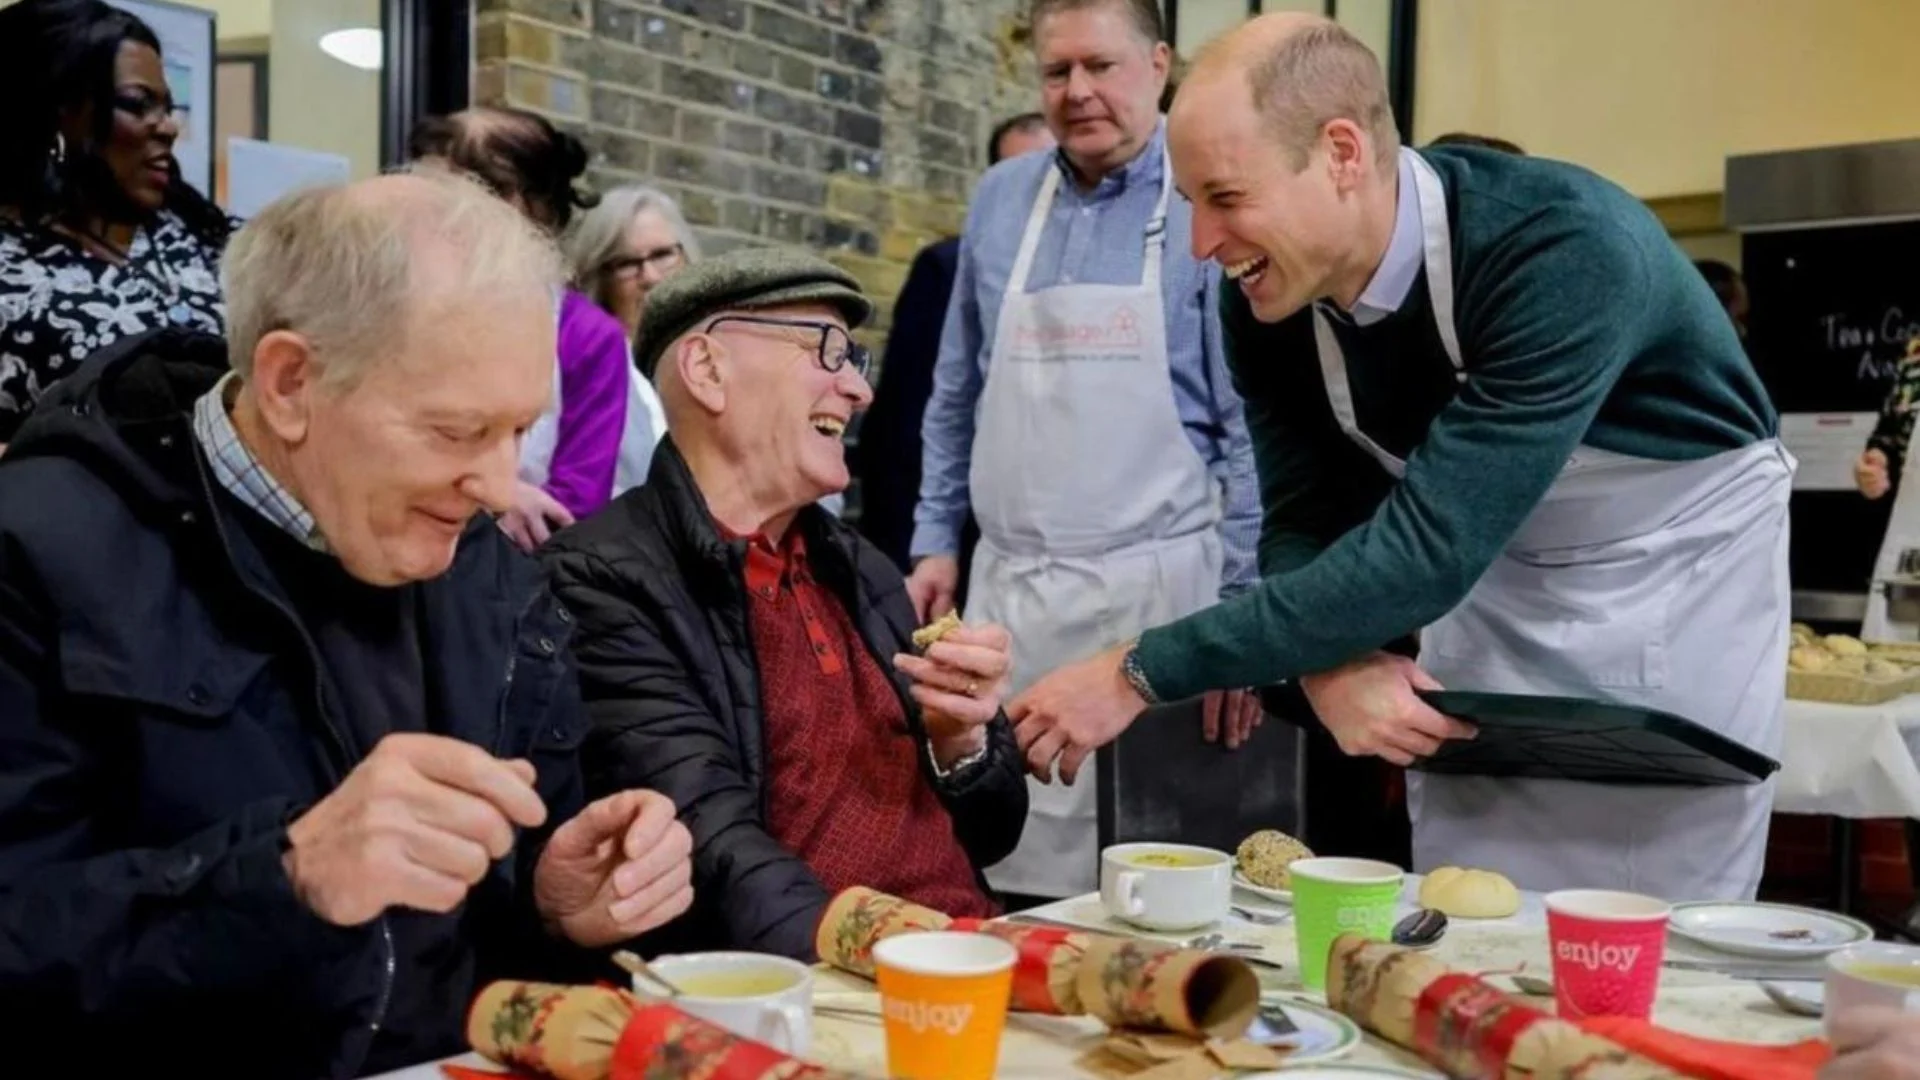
pixel 1607 950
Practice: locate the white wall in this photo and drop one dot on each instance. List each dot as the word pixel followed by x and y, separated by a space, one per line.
pixel 1655 94
pixel 317 102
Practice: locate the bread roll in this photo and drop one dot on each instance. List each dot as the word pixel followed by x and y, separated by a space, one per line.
pixel 1848 665
pixel 1265 857
pixel 924 637
pixel 1469 894
pixel 1843 645
pixel 1810 658
pixel 1883 669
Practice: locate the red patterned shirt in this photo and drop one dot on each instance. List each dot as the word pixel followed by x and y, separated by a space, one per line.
pixel 846 791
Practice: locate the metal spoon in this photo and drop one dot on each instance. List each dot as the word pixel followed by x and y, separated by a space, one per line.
pixel 1531 986
pixel 1420 929
pixel 1263 918
pixel 1797 1004
pixel 632 964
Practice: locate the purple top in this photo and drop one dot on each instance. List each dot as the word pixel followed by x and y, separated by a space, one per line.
pixel 593 405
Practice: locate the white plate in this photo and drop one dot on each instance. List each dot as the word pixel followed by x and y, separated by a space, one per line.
pixel 1757 929
pixel 1324 1034
pixel 1278 896
pixel 1342 1072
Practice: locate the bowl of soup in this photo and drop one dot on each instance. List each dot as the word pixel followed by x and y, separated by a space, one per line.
pixel 1166 886
pixel 765 998
pixel 1876 974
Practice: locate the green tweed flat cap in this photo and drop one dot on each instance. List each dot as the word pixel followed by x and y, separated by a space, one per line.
pixel 743 279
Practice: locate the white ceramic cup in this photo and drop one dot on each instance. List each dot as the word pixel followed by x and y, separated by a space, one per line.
pixel 1848 988
pixel 1166 897
pixel 783 1018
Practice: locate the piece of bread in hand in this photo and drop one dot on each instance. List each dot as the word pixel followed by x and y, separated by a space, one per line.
pixel 924 637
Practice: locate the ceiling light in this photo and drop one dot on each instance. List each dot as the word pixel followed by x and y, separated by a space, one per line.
pixel 359 46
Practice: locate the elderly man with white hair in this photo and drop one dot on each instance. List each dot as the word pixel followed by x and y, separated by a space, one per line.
pixel 288 729
pixel 751 656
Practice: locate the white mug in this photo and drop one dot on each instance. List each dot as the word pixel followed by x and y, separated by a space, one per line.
pixel 782 1018
pixel 1174 897
pixel 1850 987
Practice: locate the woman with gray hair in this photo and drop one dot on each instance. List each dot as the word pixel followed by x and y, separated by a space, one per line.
pixel 618 252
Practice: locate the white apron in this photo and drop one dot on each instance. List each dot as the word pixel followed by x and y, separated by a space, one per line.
pixel 1903 533
pixel 1098 519
pixel 1662 584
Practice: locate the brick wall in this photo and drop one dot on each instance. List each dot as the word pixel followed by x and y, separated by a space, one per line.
pixel 853 127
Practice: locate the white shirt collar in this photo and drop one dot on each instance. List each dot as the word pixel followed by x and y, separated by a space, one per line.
pixel 1393 279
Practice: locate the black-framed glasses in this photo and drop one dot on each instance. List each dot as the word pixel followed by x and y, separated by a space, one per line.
pixel 660 260
pixel 836 349
pixel 145 105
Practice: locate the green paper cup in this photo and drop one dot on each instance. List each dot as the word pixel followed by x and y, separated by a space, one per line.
pixel 1340 896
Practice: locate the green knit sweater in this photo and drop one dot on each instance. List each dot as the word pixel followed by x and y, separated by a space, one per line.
pixel 1579 322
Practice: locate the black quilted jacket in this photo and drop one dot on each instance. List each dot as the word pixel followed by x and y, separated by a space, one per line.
pixel 667 670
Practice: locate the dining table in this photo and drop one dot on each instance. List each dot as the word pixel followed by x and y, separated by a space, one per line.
pixel 848 1034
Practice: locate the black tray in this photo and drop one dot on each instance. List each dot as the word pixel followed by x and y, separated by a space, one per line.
pixel 1561 738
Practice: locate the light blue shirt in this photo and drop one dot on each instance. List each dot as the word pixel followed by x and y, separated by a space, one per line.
pixel 1406 253
pixel 1090 237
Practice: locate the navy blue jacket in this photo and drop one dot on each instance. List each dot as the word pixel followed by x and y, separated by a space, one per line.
pixel 161 722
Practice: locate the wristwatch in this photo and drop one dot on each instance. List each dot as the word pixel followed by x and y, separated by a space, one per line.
pixel 967 761
pixel 1137 678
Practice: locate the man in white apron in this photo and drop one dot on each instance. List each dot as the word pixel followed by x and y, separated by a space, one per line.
pixel 1492 404
pixel 1079 403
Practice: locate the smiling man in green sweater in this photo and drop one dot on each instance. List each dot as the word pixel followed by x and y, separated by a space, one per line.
pixel 1493 405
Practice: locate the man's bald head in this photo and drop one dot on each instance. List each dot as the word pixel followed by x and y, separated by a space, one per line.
pixel 1300 71
pixel 360 268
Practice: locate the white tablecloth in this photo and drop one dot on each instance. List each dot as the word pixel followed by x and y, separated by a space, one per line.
pixel 1854 761
pixel 1048 1047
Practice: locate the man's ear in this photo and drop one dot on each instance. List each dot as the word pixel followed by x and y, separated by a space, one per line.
pixel 285 380
pixel 700 362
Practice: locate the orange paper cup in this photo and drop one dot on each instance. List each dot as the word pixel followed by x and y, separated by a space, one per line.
pixel 943 995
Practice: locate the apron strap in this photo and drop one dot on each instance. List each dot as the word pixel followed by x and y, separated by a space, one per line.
pixel 1156 234
pixel 1156 237
pixel 1036 223
pixel 1436 242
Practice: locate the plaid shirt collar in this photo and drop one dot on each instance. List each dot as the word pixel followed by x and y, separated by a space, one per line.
pixel 240 473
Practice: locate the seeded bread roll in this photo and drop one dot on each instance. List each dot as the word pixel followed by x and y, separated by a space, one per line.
pixel 1266 856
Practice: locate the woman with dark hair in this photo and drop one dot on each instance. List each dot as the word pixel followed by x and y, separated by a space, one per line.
pixel 569 459
pixel 99 237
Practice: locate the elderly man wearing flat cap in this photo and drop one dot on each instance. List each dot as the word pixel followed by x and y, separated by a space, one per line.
pixel 747 654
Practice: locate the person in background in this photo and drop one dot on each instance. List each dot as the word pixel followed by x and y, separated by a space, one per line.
pixel 751 656
pixel 1879 467
pixel 887 455
pixel 619 250
pixel 99 237
pixel 289 742
pixel 570 459
pixel 1485 142
pixel 1730 288
pixel 623 248
pixel 1081 405
pixel 1491 399
pixel 1874 1044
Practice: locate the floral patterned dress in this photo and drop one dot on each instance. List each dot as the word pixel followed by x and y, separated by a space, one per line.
pixel 59 303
